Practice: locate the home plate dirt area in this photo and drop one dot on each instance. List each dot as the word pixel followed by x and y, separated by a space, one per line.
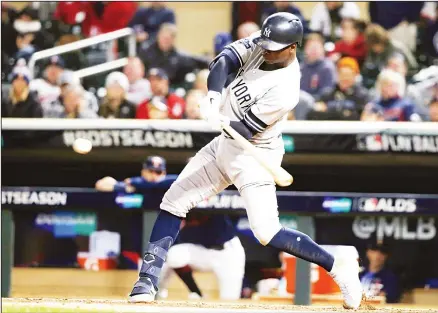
pixel 121 306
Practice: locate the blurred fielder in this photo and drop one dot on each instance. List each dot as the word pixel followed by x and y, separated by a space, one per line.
pixel 206 243
pixel 253 84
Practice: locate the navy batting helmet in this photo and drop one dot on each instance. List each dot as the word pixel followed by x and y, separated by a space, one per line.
pixel 280 30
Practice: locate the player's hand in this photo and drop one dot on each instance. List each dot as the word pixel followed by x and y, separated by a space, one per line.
pixel 209 106
pixel 106 184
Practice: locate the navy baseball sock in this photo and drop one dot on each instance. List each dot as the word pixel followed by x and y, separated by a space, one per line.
pixel 163 235
pixel 302 246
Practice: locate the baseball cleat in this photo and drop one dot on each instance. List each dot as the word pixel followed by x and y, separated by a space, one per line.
pixel 194 296
pixel 345 273
pixel 143 291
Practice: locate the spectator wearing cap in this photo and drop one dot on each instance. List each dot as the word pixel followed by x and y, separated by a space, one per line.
pixel 163 104
pixel 352 42
pixel 162 53
pixel 74 105
pixel 114 104
pixel 139 86
pixel 147 20
pixel 284 6
pixel 153 174
pixel 347 99
pixel 21 102
pixel 377 279
pixel 69 78
pixel 220 41
pixel 318 73
pixel 379 48
pixel 327 17
pixel 391 101
pixel 47 87
pixel 193 100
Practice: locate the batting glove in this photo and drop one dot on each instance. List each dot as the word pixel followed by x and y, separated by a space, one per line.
pixel 209 109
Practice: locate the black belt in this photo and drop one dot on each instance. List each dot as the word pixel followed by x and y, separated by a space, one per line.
pixel 216 247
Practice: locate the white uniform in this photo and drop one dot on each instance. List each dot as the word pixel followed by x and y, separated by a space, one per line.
pixel 262 99
pixel 227 264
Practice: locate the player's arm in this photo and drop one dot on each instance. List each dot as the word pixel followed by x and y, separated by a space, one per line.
pixel 138 183
pixel 229 61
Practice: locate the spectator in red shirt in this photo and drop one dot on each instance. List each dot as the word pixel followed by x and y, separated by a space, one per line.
pixel 104 17
pixel 352 42
pixel 163 104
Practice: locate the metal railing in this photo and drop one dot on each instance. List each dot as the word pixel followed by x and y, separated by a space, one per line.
pixel 77 45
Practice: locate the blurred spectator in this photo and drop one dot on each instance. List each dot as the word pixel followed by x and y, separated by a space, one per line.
pixel 163 104
pixel 284 6
pixel 21 102
pixel 114 104
pixel 163 54
pixel 246 29
pixel 69 12
pixel 104 17
pixel 347 100
pixel 193 100
pixel 305 104
pixel 421 89
pixel 245 11
pixel 352 42
pixel 139 87
pixel 379 48
pixel 47 87
pixel 399 18
pixel 429 37
pixel 318 72
pixel 68 78
pixel 201 81
pixel 147 21
pixel 24 35
pixel 220 41
pixel 377 279
pixel 433 110
pixel 74 105
pixel 327 16
pixel 391 102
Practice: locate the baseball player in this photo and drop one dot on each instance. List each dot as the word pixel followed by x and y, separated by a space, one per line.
pixel 153 173
pixel 207 242
pixel 253 84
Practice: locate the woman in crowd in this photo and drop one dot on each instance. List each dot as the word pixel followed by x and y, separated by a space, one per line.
pixel 114 104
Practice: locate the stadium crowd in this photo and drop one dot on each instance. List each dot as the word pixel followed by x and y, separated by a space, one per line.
pixel 384 69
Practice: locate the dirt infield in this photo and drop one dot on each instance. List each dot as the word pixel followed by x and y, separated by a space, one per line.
pixel 99 305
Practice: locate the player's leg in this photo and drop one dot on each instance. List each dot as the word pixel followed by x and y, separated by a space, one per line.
pixel 261 202
pixel 230 269
pixel 200 179
pixel 165 277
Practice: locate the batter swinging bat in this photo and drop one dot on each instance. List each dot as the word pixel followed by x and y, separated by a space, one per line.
pixel 281 176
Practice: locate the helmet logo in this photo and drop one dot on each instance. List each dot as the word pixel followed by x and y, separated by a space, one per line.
pixel 267 32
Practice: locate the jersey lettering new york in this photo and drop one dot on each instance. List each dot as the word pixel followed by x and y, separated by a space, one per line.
pixel 262 99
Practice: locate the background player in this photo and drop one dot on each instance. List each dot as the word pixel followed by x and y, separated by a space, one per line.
pixel 153 171
pixel 253 84
pixel 206 242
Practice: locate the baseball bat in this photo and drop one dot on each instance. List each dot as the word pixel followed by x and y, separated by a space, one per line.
pixel 281 176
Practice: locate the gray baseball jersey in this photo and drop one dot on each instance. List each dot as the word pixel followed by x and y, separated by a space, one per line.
pixel 261 98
